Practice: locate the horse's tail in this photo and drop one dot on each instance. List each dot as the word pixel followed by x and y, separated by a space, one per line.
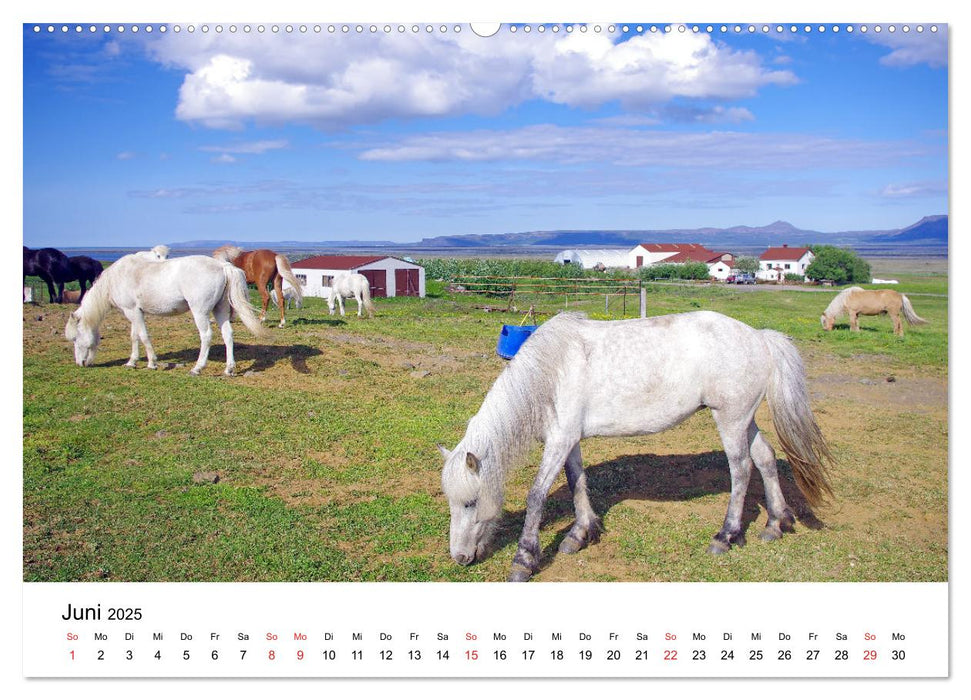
pixel 283 267
pixel 794 422
pixel 909 313
pixel 366 297
pixel 238 294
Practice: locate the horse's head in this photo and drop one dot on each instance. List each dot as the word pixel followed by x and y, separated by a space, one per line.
pixel 474 507
pixel 827 322
pixel 84 337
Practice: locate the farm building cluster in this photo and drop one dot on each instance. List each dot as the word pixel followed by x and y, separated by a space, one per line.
pixel 774 263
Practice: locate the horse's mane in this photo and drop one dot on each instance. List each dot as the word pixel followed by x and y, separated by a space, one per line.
pixel 227 252
pixel 97 301
pixel 838 305
pixel 520 403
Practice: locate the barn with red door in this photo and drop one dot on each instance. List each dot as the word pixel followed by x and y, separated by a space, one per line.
pixel 388 276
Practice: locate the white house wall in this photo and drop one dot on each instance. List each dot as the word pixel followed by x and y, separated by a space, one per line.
pixel 315 287
pixel 767 268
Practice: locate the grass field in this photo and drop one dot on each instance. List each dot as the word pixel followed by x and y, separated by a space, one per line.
pixel 318 462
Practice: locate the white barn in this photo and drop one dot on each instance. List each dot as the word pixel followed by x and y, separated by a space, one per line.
pixel 589 258
pixel 388 276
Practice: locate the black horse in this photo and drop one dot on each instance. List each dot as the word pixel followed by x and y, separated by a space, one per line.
pixel 52 266
pixel 85 270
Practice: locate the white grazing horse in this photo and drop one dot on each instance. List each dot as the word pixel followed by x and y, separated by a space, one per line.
pixel 577 378
pixel 159 252
pixel 290 297
pixel 138 286
pixel 351 285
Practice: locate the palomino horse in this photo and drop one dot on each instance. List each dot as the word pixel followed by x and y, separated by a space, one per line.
pixel 856 301
pixel 262 267
pixel 576 378
pixel 350 285
pixel 85 270
pixel 139 286
pixel 52 266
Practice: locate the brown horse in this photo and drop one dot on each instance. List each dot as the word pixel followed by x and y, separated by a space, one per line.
pixel 263 267
pixel 856 301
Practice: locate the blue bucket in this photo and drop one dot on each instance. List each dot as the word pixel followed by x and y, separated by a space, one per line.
pixel 511 338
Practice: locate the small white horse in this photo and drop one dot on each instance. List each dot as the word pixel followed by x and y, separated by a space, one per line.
pixel 577 378
pixel 290 297
pixel 137 285
pixel 350 285
pixel 159 252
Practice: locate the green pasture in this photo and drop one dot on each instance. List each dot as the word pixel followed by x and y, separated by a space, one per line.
pixel 318 461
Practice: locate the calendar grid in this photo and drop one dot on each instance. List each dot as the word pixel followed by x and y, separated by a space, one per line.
pixel 423 630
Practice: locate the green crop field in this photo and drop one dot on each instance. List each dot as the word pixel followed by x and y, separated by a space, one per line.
pixel 318 461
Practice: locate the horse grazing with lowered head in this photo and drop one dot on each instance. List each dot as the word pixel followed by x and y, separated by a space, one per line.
pixel 85 270
pixel 52 266
pixel 138 286
pixel 351 285
pixel 577 378
pixel 856 301
pixel 262 267
pixel 289 297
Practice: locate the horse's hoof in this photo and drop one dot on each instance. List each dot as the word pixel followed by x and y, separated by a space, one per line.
pixel 571 544
pixel 718 547
pixel 282 324
pixel 770 534
pixel 519 574
pixel 194 372
pixel 130 365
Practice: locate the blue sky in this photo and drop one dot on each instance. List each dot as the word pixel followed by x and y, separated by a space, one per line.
pixel 136 138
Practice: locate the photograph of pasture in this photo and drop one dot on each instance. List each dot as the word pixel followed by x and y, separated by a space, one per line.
pixel 615 302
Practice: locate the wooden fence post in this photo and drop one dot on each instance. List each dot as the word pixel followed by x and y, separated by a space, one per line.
pixel 643 301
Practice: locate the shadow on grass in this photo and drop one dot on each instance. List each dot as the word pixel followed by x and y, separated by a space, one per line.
pixel 333 322
pixel 262 357
pixel 662 478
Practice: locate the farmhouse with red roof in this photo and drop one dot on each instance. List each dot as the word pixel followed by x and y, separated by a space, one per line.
pixel 776 263
pixel 645 254
pixel 388 276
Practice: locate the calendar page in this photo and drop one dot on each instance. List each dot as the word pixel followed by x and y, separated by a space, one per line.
pixel 415 348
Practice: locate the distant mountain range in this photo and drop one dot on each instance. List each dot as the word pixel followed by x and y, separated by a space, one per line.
pixel 930 231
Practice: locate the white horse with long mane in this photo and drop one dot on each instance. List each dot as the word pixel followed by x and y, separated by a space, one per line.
pixel 138 285
pixel 350 285
pixel 577 378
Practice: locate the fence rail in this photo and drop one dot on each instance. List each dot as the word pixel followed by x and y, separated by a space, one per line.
pixel 567 287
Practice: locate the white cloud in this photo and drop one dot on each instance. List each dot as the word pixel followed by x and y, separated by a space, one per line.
pixel 911 190
pixel 333 81
pixel 642 148
pixel 126 155
pixel 912 48
pixel 248 148
pixel 224 158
